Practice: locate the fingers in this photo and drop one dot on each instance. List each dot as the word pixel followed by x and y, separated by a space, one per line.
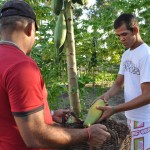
pixel 106 103
pixel 99 135
pixel 66 111
pixel 107 112
pixel 100 108
pixel 105 100
pixel 102 118
pixel 108 135
pixel 103 127
pixel 66 116
pixel 98 98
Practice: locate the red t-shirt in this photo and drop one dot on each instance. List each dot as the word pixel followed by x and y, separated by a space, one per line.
pixel 22 92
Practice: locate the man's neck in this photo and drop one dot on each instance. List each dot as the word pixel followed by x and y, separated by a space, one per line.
pixel 10 43
pixel 137 43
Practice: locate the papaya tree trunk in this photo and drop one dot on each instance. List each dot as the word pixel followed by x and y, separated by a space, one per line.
pixel 73 90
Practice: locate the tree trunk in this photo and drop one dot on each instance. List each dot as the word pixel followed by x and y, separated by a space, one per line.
pixel 73 90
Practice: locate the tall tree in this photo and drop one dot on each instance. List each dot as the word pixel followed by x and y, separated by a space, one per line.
pixel 64 24
pixel 71 61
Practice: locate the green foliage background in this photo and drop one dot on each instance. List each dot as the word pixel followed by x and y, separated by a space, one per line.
pixel 98 61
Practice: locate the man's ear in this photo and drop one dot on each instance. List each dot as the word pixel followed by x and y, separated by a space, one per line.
pixel 28 29
pixel 135 29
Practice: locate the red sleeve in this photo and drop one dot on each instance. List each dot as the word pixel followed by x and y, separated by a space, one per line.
pixel 25 87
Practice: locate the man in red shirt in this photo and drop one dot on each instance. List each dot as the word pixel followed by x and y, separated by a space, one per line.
pixel 25 119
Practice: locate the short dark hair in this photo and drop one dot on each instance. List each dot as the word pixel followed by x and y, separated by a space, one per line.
pixel 128 19
pixel 12 23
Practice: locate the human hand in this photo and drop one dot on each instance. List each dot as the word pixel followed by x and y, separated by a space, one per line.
pixel 61 114
pixel 104 97
pixel 107 112
pixel 98 135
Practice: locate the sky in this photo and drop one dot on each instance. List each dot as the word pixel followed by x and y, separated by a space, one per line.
pixel 91 2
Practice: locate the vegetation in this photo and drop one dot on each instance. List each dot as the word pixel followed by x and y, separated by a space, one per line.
pixel 98 51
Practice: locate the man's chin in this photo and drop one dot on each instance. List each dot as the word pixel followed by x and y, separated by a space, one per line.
pixel 126 47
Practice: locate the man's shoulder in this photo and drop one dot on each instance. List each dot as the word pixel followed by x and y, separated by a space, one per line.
pixel 145 46
pixel 125 53
pixel 14 59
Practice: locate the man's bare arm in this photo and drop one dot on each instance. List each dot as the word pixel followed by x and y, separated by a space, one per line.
pixel 113 90
pixel 137 102
pixel 116 86
pixel 36 133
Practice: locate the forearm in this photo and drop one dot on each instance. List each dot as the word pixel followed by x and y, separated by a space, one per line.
pixel 137 102
pixel 114 90
pixel 43 135
pixel 116 86
pixel 57 137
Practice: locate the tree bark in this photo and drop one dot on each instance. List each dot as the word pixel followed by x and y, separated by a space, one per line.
pixel 73 89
